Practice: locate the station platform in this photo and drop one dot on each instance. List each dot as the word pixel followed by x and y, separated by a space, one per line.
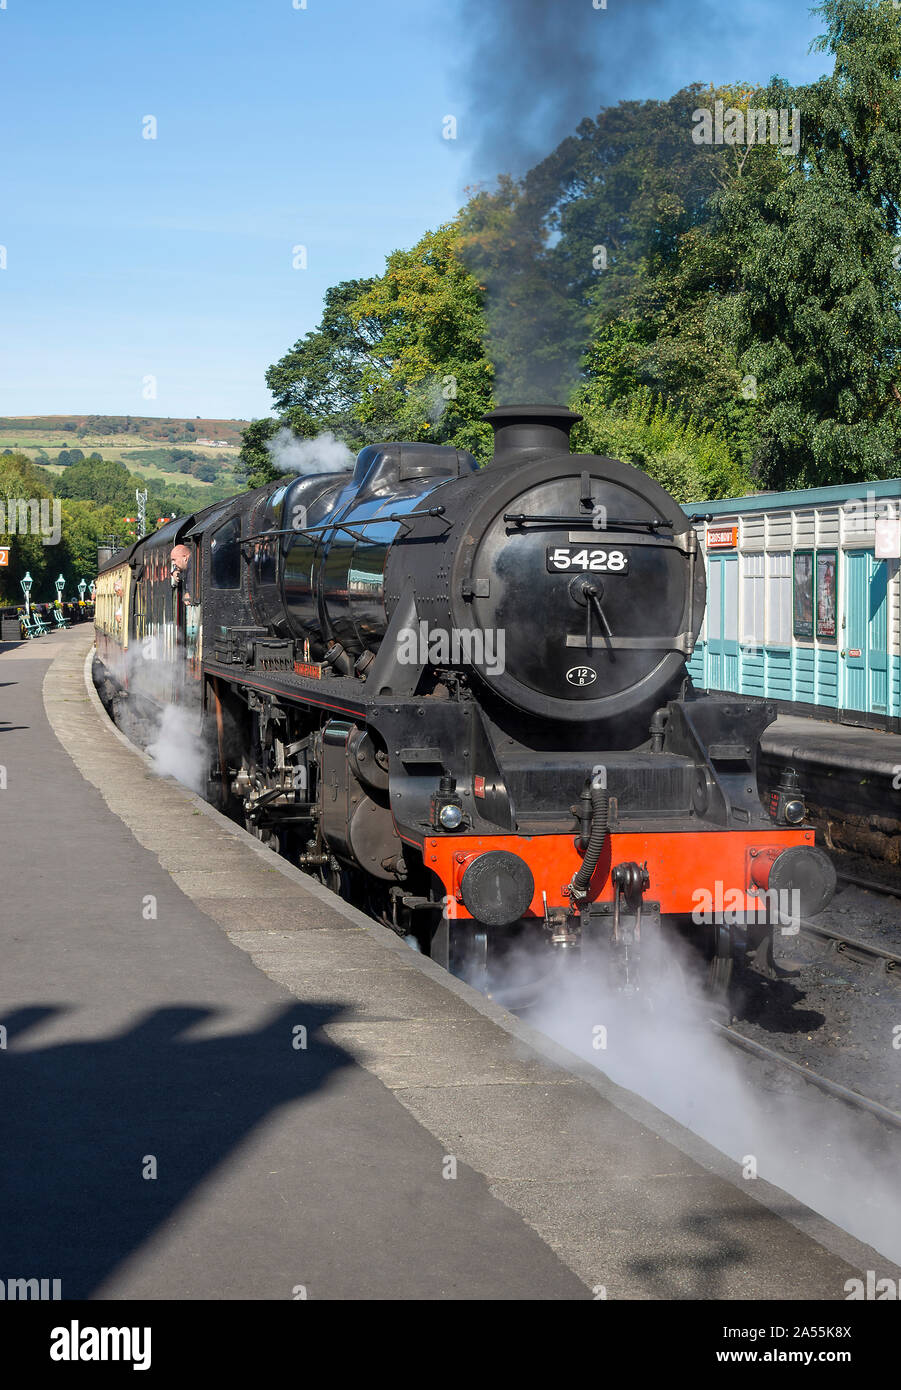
pixel 851 779
pixel 219 1081
pixel 870 752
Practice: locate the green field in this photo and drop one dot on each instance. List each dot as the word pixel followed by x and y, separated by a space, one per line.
pixel 31 434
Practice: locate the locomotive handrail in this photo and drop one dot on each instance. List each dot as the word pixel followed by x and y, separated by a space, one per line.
pixel 612 524
pixel 401 517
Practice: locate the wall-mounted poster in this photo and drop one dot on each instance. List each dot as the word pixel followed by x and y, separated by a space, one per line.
pixel 803 601
pixel 826 566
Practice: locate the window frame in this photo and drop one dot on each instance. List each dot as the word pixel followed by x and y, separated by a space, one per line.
pixel 231 522
pixel 798 630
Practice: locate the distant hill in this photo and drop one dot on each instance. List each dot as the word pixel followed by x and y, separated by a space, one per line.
pixel 155 447
pixel 154 429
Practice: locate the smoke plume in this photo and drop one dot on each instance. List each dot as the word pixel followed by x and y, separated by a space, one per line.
pixel 535 68
pixel 324 454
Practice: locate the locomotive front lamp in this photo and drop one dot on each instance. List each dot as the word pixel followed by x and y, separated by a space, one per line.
pixel 446 808
pixel 451 816
pixel 786 801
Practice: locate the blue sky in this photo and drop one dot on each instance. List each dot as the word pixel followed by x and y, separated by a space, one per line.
pixel 172 258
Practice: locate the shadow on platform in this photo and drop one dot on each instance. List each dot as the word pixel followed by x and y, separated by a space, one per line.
pixel 85 1120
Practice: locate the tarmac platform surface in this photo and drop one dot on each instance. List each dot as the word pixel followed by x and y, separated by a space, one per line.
pixel 871 752
pixel 219 1081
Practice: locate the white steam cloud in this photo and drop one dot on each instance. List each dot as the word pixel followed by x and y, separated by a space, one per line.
pixel 173 739
pixel 177 751
pixel 812 1148
pixel 324 454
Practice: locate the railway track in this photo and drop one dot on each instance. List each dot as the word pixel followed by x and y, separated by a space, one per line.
pixel 813 1078
pixel 872 885
pixel 854 948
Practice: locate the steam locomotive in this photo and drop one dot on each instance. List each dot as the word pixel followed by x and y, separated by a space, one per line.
pixel 458 695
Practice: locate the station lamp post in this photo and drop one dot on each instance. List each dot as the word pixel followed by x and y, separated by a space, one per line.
pixel 26 590
pixel 93 587
pixel 81 588
pixel 59 585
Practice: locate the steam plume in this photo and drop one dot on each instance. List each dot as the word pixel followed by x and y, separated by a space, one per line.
pixel 324 454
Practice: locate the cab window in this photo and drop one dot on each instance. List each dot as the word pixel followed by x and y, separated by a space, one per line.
pixel 225 555
pixel 265 560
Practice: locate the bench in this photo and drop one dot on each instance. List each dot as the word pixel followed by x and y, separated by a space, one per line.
pixel 32 627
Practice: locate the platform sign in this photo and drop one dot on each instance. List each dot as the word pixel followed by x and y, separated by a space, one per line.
pixel 722 537
pixel 4 556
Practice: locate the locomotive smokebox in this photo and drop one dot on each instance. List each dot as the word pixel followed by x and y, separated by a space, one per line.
pixel 523 432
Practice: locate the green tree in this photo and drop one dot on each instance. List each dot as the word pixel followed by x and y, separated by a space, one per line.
pixel 104 481
pixel 318 384
pixel 775 314
pixel 691 458
pixel 430 378
pixel 84 525
pixel 814 318
pixel 398 356
pixel 682 267
pixel 21 479
pixel 254 459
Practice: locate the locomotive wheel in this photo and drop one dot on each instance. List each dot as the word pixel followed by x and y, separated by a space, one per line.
pixel 719 967
pixel 336 879
pixel 469 953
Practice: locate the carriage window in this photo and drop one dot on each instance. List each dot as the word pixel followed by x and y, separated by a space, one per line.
pixel 225 555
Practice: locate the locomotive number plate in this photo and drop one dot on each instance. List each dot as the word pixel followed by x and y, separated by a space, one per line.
pixel 595 558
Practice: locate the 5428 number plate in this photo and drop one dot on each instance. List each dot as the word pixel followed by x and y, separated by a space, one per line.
pixel 597 559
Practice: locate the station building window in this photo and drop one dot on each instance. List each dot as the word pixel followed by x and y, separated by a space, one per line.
pixel 779 598
pixel 752 600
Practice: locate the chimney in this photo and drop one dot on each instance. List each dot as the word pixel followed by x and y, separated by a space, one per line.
pixel 522 432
